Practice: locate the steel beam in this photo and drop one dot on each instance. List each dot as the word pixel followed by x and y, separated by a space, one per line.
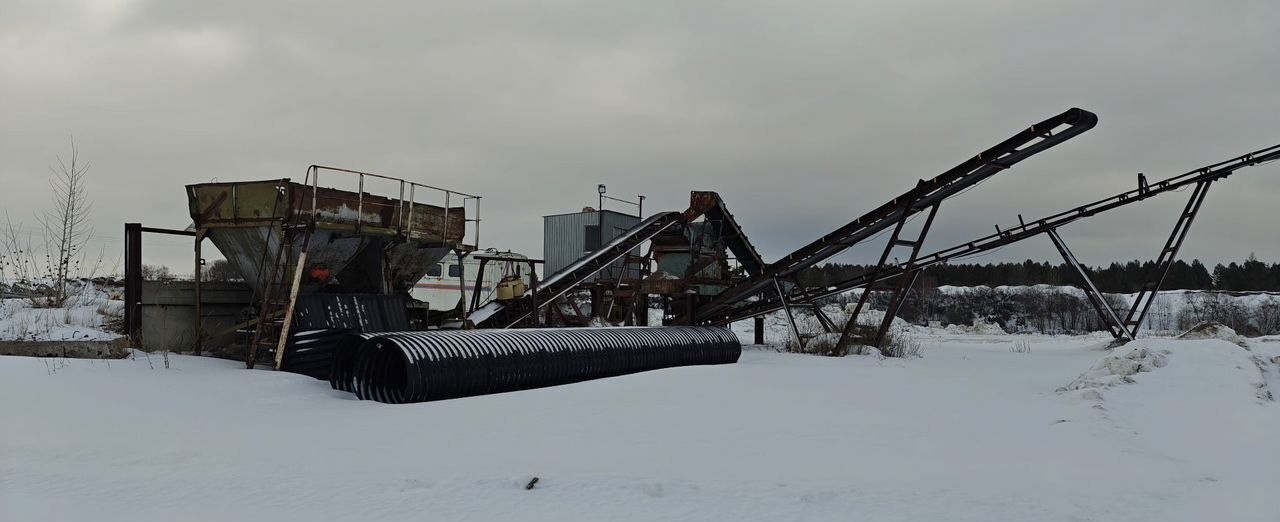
pixel 133 282
pixel 904 281
pixel 1147 295
pixel 1108 315
pixel 791 318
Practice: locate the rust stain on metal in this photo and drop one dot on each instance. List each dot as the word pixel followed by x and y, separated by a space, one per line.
pixel 258 202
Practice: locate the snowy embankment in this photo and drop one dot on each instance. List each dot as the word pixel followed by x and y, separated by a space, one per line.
pixel 1057 309
pixel 971 431
pixel 84 317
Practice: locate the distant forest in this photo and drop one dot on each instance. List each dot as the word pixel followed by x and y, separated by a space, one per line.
pixel 1118 277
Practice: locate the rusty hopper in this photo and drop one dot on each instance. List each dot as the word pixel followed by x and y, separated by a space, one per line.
pixel 370 244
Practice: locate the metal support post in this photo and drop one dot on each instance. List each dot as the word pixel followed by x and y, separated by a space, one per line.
pixel 133 282
pixel 907 280
pixel 1108 315
pixel 475 294
pixel 1142 302
pixel 791 319
pixel 904 281
pixel 198 338
pixel 462 280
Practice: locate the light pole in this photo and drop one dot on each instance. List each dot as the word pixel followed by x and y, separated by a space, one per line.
pixel 639 203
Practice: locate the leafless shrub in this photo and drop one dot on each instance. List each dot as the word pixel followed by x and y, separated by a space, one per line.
pixel 821 344
pixel 1021 346
pixel 220 270
pixel 156 273
pixel 900 343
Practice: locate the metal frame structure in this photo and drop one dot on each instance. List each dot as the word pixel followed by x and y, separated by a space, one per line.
pixel 1109 318
pixel 710 204
pixel 496 315
pixel 1142 302
pixel 312 179
pixel 903 283
pixel 1199 178
pixel 485 259
pixel 133 280
pixel 272 306
pixel 924 197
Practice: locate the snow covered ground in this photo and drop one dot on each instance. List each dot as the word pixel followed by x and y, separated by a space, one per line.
pixel 83 318
pixel 971 431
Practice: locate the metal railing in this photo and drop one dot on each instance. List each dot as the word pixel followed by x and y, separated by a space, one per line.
pixel 406 207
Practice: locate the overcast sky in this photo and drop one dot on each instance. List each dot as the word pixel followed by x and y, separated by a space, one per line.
pixel 801 114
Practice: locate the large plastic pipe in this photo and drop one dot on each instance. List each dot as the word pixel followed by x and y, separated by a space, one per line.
pixel 403 367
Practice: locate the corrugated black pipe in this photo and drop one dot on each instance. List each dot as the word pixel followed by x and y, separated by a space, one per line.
pixel 402 367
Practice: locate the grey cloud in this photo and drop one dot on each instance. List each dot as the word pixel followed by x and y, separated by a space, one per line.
pixel 802 114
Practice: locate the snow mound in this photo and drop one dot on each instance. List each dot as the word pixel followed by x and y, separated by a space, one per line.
pixel 979 327
pixel 1214 330
pixel 1119 367
pixel 868 317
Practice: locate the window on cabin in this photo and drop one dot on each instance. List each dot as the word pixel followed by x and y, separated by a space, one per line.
pixel 455 270
pixel 590 238
pixel 433 270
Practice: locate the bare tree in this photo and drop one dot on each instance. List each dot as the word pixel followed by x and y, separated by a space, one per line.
pixel 156 273
pixel 221 270
pixel 66 222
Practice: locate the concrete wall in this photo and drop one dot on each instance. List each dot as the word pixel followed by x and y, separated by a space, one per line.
pixel 79 349
pixel 168 314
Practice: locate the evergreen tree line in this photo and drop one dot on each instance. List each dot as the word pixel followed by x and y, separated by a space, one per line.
pixel 1249 275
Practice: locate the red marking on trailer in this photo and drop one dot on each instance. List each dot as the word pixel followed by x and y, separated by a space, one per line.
pixel 446 286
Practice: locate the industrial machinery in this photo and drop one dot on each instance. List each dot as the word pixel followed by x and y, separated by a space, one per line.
pixel 335 252
pixel 1123 324
pixel 331 272
pixel 779 277
pixel 691 249
pixel 694 250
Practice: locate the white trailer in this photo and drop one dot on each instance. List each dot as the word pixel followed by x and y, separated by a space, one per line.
pixel 440 287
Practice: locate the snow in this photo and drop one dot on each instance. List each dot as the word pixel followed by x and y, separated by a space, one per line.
pixel 1215 331
pixel 970 431
pixel 1171 308
pixel 979 326
pixel 83 318
pixel 1120 366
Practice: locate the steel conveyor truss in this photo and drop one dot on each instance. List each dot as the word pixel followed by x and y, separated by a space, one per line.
pixel 857 334
pixel 1198 179
pixel 925 197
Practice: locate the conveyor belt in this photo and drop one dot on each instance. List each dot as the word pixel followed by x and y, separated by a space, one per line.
pixel 1035 139
pixel 1004 237
pixel 500 315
